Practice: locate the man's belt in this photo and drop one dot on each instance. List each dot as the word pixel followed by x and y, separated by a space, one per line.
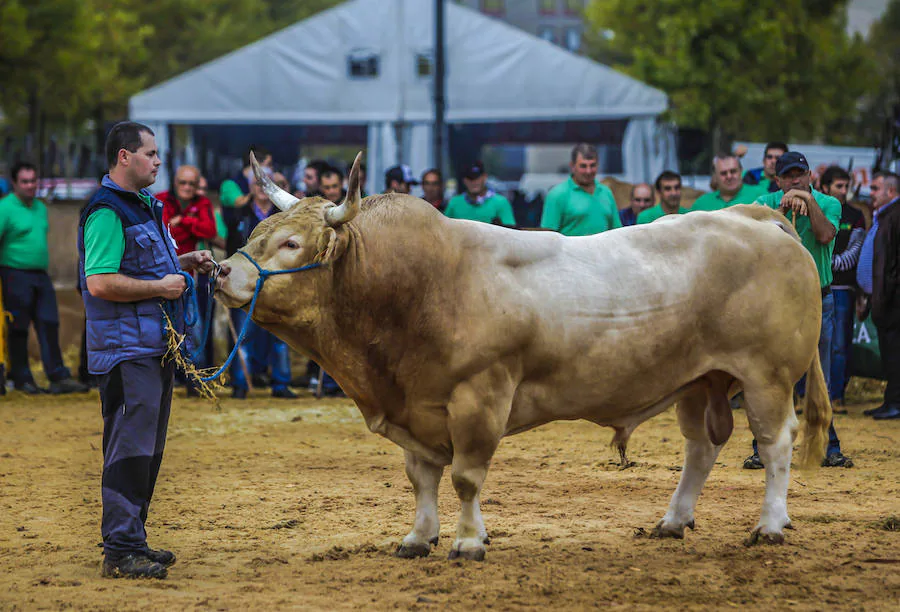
pixel 826 291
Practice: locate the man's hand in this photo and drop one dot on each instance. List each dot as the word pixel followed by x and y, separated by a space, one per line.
pixel 797 201
pixel 172 286
pixel 175 220
pixel 201 261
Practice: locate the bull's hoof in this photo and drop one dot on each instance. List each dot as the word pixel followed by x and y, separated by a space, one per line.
pixel 670 531
pixel 758 537
pixel 470 555
pixel 413 550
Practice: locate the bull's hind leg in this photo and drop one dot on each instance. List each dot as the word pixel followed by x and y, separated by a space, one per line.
pixel 478 412
pixel 699 457
pixel 425 478
pixel 772 420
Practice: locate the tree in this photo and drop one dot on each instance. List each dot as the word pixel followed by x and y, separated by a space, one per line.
pixel 756 69
pixel 882 108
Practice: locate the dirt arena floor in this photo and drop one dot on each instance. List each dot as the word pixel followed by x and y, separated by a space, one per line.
pixel 273 504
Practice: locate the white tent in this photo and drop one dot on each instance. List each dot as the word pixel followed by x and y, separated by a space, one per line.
pixel 362 63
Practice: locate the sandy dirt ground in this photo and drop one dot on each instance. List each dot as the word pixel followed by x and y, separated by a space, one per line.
pixel 273 504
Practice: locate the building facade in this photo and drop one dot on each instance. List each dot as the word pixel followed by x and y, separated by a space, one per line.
pixel 558 21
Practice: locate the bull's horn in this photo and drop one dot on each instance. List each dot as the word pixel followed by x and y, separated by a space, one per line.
pixel 279 197
pixel 336 215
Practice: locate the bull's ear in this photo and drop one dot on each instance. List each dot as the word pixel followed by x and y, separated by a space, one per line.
pixel 330 246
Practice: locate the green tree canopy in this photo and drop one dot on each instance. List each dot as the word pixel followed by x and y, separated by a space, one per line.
pixel 755 69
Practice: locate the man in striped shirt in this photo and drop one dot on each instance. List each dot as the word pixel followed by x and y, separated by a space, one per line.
pixel 848 242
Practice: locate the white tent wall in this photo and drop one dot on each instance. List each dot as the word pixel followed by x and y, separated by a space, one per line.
pixel 495 73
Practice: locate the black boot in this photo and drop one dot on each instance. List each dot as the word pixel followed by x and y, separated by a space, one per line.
pixel 133 565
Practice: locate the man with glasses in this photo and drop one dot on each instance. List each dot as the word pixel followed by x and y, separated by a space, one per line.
pixel 641 200
pixel 188 215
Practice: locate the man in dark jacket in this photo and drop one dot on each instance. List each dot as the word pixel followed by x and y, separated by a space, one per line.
pixel 878 276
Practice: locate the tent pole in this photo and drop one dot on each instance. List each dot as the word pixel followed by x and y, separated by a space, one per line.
pixel 439 84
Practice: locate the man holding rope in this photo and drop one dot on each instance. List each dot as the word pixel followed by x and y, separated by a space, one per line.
pixel 816 217
pixel 128 267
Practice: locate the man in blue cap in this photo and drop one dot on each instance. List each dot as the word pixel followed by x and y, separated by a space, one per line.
pixel 818 217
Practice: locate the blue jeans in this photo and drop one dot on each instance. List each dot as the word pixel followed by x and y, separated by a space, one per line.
pixel 825 336
pixel 844 306
pixel 260 350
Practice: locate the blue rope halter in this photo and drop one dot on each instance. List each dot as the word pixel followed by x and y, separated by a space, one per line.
pixel 263 275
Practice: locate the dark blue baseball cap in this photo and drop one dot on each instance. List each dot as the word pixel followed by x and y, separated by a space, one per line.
pixel 789 161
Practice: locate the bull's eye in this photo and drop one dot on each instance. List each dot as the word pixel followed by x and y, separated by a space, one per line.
pixel 291 244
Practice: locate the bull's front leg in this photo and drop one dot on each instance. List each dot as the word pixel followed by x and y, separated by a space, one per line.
pixel 425 478
pixel 477 416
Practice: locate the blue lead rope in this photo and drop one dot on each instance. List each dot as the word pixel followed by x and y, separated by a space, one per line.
pixel 263 275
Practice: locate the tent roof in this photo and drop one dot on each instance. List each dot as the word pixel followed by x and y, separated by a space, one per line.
pixel 495 72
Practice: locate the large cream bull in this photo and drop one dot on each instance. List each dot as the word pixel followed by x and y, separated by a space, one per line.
pixel 451 334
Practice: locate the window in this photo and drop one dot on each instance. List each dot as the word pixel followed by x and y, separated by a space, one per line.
pixel 547 33
pixel 424 64
pixel 362 64
pixel 573 7
pixel 547 7
pixel 573 39
pixel 493 7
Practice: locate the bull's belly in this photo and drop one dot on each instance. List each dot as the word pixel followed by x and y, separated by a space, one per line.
pixel 604 400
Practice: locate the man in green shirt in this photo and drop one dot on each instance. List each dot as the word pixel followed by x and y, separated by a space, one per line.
pixel 582 205
pixel 668 185
pixel 818 217
pixel 764 177
pixel 28 292
pixel 732 190
pixel 479 203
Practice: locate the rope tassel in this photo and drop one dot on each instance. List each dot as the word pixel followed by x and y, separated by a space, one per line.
pixel 175 352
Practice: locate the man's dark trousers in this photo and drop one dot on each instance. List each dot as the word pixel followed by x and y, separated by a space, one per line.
pixel 889 345
pixel 136 397
pixel 29 296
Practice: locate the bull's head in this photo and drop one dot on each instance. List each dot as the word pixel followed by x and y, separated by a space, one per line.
pixel 308 231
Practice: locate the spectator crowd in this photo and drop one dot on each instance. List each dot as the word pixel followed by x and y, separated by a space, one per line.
pixel 857 239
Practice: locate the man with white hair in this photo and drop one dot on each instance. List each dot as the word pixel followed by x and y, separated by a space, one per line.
pixel 877 277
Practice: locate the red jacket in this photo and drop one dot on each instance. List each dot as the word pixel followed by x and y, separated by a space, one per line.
pixel 197 222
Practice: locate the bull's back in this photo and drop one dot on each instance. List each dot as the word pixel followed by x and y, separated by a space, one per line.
pixel 657 305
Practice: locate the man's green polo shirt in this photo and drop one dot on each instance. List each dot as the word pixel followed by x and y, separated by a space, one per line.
pixel 572 211
pixel 23 234
pixel 714 201
pixel 104 240
pixel 229 192
pixel 652 214
pixel 492 208
pixel 821 253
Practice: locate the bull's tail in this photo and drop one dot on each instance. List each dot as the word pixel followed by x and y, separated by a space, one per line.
pixel 817 410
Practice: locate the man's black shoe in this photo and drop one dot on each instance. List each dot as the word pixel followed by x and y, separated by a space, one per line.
pixel 753 462
pixel 29 387
pixel 837 460
pixel 68 385
pixel 284 393
pixel 300 382
pixel 891 412
pixel 261 380
pixel 166 558
pixel 133 565
pixel 872 411
pixel 239 393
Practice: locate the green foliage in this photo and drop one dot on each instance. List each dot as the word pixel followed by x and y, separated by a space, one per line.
pixel 64 61
pixel 754 69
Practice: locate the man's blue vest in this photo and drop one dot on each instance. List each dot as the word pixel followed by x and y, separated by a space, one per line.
pixel 119 331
